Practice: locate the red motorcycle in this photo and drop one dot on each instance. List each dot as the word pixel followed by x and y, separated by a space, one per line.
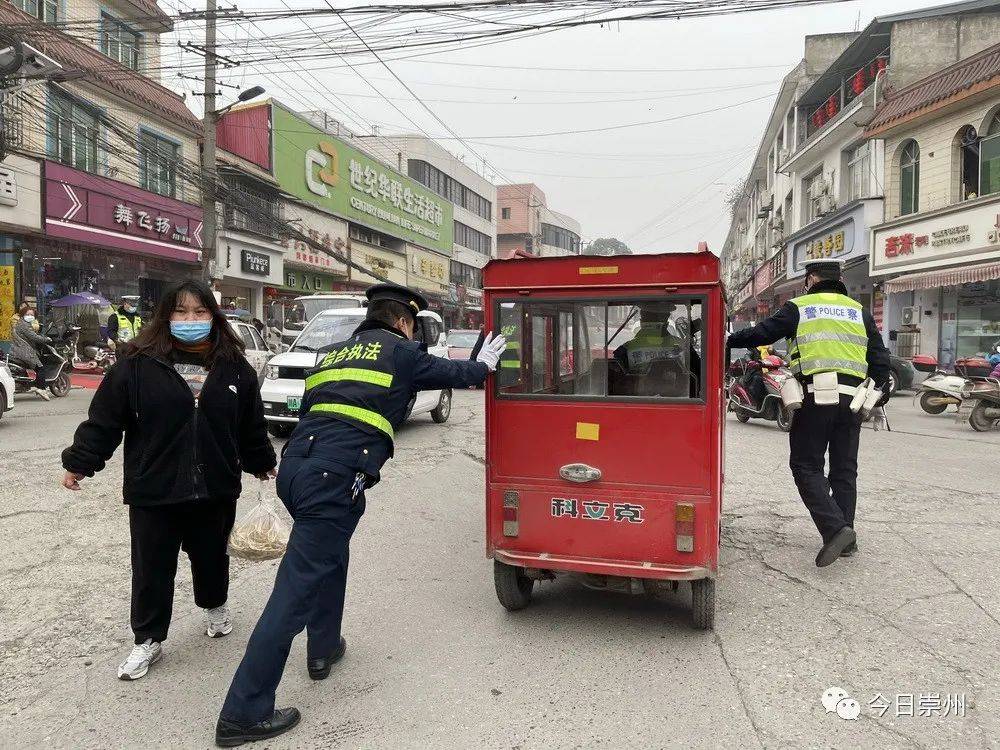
pixel 755 388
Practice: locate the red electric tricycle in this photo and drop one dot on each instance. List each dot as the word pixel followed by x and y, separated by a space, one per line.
pixel 604 424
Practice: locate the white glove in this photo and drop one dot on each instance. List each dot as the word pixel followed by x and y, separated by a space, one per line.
pixel 492 348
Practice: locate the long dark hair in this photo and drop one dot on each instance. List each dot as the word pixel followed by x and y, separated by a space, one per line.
pixel 154 338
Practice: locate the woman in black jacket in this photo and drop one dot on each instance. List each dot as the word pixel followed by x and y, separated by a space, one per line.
pixel 187 402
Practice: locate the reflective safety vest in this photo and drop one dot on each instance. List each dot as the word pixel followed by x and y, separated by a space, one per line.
pixel 651 344
pixel 354 382
pixel 126 330
pixel 830 337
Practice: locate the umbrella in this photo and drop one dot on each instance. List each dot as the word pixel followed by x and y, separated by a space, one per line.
pixel 80 298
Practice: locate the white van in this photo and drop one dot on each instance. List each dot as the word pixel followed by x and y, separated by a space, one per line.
pixel 284 376
pixel 304 309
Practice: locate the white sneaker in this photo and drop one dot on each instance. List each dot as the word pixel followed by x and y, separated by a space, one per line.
pixel 41 394
pixel 139 661
pixel 218 622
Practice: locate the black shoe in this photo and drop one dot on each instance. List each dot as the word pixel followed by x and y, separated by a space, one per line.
pixel 319 669
pixel 849 550
pixel 830 552
pixel 231 733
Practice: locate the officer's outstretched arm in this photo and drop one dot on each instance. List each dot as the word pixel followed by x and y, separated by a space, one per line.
pixel 431 373
pixel 781 325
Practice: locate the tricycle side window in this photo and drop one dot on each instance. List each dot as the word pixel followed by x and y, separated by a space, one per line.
pixel 646 348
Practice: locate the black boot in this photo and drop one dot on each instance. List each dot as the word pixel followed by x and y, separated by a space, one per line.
pixel 319 669
pixel 232 733
pixel 849 550
pixel 840 541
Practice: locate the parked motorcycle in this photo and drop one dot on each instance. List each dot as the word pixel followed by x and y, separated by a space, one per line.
pixel 773 372
pixel 982 402
pixel 96 359
pixel 940 390
pixel 54 357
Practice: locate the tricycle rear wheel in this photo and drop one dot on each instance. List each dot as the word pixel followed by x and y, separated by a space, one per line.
pixel 703 603
pixel 513 586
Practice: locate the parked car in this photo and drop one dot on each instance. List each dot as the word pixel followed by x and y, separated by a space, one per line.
pixel 461 342
pixel 901 374
pixel 305 308
pixel 6 388
pixel 284 377
pixel 256 352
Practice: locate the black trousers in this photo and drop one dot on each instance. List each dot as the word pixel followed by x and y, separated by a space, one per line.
pixel 815 430
pixel 310 586
pixel 159 533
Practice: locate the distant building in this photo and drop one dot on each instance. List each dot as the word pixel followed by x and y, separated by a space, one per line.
pixel 527 224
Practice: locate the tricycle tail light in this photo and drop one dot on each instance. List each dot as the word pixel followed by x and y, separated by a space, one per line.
pixel 511 501
pixel 684 526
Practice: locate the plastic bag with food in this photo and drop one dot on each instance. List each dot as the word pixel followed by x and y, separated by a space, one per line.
pixel 262 533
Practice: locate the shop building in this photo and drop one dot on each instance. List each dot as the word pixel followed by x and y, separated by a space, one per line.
pixel 250 255
pixel 528 225
pixel 816 186
pixel 121 211
pixel 937 255
pixel 390 218
pixel 20 222
pixel 473 199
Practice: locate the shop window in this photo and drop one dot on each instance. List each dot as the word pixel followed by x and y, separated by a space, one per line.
pixel 616 350
pixel 158 159
pixel 119 42
pixel 859 172
pixel 73 133
pixel 909 179
pixel 989 154
pixel 43 10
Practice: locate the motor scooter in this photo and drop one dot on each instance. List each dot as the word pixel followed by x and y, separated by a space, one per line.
pixel 97 358
pixel 940 390
pixel 54 357
pixel 773 371
pixel 981 401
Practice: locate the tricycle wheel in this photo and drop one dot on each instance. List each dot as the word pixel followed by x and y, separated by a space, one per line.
pixel 927 406
pixel 742 414
pixel 513 586
pixel 784 418
pixel 703 603
pixel 980 419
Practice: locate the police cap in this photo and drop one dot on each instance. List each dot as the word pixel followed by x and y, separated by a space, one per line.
pixel 411 300
pixel 825 267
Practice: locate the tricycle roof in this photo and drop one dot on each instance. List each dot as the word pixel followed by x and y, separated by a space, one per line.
pixel 588 271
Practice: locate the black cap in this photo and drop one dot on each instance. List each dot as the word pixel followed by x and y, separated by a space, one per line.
pixel 412 300
pixel 825 266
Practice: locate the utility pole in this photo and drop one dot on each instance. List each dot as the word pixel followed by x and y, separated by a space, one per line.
pixel 208 191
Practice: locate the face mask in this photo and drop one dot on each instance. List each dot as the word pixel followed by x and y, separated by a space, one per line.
pixel 190 332
pixel 129 309
pixel 29 318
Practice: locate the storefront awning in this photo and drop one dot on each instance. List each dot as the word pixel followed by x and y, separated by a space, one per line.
pixel 952 277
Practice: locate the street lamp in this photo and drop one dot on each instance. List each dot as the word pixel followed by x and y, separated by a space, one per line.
pixel 212 116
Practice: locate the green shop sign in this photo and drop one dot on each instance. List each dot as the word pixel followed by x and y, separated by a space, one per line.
pixel 325 171
pixel 307 282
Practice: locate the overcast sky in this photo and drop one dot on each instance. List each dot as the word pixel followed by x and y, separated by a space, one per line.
pixel 613 182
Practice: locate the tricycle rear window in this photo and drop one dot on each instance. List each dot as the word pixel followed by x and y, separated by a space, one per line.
pixel 639 348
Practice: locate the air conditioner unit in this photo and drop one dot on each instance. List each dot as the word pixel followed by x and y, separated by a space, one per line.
pixel 819 188
pixel 782 156
pixel 826 204
pixel 910 316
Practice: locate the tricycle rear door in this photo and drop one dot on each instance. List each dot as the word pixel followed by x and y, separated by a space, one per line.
pixel 604 422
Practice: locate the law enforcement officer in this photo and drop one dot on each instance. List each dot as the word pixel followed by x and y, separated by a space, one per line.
pixel 355 398
pixel 827 331
pixel 124 323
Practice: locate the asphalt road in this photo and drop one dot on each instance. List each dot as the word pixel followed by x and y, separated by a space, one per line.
pixel 435 662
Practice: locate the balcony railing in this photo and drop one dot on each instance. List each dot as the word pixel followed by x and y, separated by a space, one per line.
pixel 248 211
pixel 851 87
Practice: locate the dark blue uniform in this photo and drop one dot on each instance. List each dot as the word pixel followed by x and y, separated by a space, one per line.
pixel 355 399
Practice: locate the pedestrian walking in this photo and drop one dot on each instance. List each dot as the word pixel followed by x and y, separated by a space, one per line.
pixel 187 403
pixel 354 401
pixel 24 343
pixel 833 345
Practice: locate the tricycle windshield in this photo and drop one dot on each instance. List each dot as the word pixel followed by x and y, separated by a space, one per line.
pixel 647 348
